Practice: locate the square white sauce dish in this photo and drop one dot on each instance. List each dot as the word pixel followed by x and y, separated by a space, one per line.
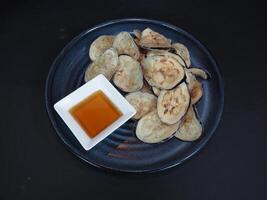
pixel 94 111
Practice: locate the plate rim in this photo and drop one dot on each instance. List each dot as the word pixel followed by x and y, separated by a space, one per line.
pixel 194 151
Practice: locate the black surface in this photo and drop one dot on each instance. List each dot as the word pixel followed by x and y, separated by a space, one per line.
pixel 36 165
pixel 67 74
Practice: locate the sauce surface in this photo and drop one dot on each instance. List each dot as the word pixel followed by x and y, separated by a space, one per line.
pixel 95 113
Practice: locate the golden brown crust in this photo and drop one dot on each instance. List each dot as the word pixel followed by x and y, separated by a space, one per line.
pixel 151 129
pixel 173 104
pixel 105 64
pixel 181 50
pixel 129 76
pixel 162 72
pixel 190 128
pixel 100 45
pixel 124 43
pixel 194 87
pixel 152 39
pixel 142 102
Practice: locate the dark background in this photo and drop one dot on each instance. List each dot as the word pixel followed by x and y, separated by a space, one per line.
pixel 34 163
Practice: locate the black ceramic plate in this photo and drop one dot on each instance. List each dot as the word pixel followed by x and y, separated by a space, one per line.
pixel 121 151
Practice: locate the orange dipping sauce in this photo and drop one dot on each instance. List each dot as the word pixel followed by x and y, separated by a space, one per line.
pixel 95 113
